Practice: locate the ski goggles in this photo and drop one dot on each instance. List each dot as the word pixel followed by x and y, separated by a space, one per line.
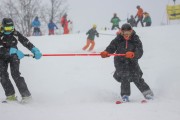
pixel 9 28
pixel 127 33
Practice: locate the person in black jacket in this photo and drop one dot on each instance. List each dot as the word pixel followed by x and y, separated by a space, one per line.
pixel 127 67
pixel 90 39
pixel 11 55
pixel 132 21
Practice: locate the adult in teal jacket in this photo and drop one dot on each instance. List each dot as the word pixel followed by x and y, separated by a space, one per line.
pixel 115 22
pixel 147 19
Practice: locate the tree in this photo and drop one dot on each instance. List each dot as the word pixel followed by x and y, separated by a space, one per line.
pixel 56 10
pixel 22 12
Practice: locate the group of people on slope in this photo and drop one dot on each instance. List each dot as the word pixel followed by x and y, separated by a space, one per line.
pixel 90 43
pixel 51 26
pixel 142 17
pixel 127 69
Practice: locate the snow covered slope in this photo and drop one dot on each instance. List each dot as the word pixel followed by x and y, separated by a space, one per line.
pixel 82 88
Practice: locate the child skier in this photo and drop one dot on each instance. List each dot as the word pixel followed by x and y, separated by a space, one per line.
pixel 90 39
pixel 127 67
pixel 10 54
pixel 51 26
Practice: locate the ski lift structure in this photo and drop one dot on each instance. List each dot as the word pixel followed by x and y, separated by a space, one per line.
pixel 173 12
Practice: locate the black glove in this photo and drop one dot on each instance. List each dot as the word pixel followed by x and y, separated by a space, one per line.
pixel 62 25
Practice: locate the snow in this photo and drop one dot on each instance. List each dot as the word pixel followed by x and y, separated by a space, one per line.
pixel 82 88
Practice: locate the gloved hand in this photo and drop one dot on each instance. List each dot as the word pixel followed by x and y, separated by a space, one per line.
pixel 104 54
pixel 17 52
pixel 129 54
pixel 62 25
pixel 36 52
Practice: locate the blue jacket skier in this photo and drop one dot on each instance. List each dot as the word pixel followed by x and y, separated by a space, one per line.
pixel 36 25
pixel 51 26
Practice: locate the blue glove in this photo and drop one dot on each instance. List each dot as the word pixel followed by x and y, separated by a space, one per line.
pixel 36 52
pixel 17 52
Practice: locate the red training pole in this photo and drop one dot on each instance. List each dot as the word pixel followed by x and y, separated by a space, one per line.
pixel 77 54
pixel 73 54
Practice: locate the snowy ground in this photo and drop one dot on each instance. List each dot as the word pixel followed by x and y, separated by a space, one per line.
pixel 82 88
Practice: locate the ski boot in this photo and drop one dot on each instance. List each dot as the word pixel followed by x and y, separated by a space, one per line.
pixel 148 97
pixel 26 100
pixel 125 98
pixel 11 98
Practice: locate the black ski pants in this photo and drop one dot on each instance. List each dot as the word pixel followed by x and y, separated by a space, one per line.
pixel 115 26
pixel 4 76
pixel 140 19
pixel 141 85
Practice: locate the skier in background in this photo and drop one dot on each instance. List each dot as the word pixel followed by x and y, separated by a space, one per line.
pixel 127 67
pixel 147 19
pixel 64 23
pixel 51 26
pixel 90 39
pixel 70 27
pixel 115 22
pixel 140 16
pixel 132 21
pixel 11 55
pixel 36 25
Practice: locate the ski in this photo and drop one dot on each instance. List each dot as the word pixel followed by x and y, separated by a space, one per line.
pixel 4 101
pixel 121 102
pixel 10 102
pixel 144 101
pixel 118 102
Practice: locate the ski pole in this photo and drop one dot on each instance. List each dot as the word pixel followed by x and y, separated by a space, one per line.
pixel 76 54
pixel 107 34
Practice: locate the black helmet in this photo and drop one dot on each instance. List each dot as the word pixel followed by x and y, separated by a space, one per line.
pixel 138 6
pixel 7 25
pixel 126 27
pixel 7 22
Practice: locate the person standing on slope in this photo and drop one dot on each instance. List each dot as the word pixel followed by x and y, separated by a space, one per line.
pixel 51 26
pixel 115 22
pixel 140 16
pixel 64 24
pixel 127 67
pixel 36 25
pixel 147 19
pixel 90 39
pixel 11 55
pixel 132 21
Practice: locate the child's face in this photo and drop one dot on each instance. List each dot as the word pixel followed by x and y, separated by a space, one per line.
pixel 127 34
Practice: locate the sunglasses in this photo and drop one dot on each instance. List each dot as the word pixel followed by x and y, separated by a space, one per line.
pixel 9 28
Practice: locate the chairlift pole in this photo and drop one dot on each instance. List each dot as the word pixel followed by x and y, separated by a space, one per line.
pixel 174 2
